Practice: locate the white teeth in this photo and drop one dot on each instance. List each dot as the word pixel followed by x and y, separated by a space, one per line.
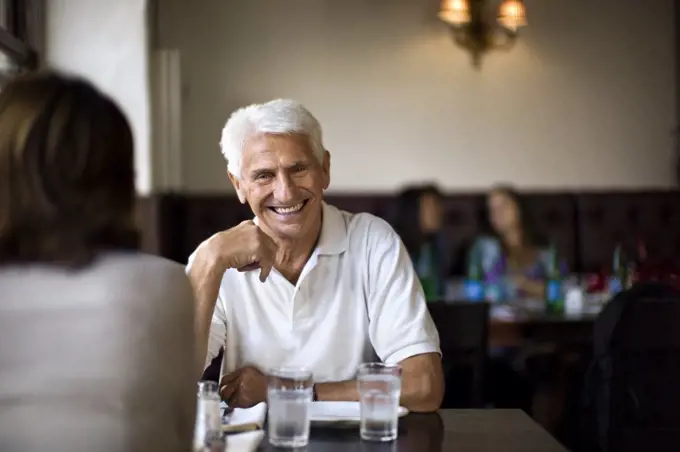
pixel 288 210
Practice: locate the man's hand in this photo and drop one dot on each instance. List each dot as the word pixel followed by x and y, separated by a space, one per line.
pixel 244 388
pixel 245 247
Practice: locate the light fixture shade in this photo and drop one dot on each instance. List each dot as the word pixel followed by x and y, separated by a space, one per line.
pixel 512 14
pixel 455 12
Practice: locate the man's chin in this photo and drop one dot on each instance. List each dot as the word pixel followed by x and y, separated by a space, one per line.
pixel 285 227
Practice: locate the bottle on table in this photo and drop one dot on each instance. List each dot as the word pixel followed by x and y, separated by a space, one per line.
pixel 494 288
pixel 619 277
pixel 474 281
pixel 427 272
pixel 637 266
pixel 554 297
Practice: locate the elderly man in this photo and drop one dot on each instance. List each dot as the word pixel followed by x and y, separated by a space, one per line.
pixel 305 284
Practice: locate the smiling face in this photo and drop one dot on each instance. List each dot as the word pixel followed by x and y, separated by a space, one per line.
pixel 283 182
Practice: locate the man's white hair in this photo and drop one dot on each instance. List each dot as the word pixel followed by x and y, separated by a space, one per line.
pixel 280 116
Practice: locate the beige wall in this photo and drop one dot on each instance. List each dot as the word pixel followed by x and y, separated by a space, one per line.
pixel 586 98
pixel 106 41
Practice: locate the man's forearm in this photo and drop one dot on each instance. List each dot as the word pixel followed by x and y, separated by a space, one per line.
pixel 205 281
pixel 422 383
pixel 347 391
pixel 419 397
pixel 415 395
pixel 340 391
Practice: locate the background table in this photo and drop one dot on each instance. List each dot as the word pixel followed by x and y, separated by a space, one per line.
pixel 447 430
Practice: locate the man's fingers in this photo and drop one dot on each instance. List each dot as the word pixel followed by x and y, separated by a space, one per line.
pixel 229 384
pixel 227 391
pixel 230 377
pixel 267 259
pixel 266 263
pixel 249 267
pixel 264 272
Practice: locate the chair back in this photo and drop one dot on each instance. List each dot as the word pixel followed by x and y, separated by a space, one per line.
pixel 645 385
pixel 463 335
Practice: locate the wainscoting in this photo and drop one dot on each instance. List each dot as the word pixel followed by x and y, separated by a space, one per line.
pixel 585 226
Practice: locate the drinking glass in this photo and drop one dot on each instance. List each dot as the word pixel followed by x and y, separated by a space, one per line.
pixel 289 394
pixel 208 428
pixel 379 387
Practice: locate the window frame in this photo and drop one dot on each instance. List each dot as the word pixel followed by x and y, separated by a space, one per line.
pixel 14 41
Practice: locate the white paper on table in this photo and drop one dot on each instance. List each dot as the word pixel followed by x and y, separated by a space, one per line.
pixel 246 419
pixel 244 442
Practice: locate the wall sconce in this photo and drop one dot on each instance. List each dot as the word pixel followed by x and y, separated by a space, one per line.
pixel 479 28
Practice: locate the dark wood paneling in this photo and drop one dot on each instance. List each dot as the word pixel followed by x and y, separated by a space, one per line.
pixel 585 226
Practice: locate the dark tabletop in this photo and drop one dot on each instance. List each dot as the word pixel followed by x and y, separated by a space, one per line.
pixel 448 430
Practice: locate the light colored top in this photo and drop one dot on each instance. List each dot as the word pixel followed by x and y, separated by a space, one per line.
pixel 100 359
pixel 357 296
pixel 494 264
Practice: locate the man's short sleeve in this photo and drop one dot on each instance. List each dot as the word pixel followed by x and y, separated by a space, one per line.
pixel 400 325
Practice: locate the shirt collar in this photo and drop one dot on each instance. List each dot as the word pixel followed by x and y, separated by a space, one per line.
pixel 333 237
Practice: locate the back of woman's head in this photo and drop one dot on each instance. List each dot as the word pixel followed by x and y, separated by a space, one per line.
pixel 66 172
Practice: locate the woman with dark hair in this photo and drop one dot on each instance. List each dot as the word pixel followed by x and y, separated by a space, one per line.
pixel 512 250
pixel 515 257
pixel 96 340
pixel 419 222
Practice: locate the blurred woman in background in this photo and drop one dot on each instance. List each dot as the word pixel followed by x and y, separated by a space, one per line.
pixel 512 250
pixel 96 340
pixel 516 258
pixel 419 222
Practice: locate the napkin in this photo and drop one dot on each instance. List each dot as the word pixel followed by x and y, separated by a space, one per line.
pixel 244 442
pixel 243 427
pixel 246 419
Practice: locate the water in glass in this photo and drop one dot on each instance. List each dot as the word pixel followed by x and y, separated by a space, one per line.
pixel 289 395
pixel 208 428
pixel 379 391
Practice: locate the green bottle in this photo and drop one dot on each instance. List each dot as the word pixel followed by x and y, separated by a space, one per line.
pixel 474 282
pixel 554 298
pixel 619 278
pixel 427 272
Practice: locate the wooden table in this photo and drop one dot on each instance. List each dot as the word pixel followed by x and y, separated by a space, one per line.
pixel 447 430
pixel 541 329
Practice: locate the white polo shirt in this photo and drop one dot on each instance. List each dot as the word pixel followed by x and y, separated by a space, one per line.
pixel 358 296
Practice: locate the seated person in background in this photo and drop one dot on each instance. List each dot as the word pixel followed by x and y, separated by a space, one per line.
pixel 305 284
pixel 514 254
pixel 418 221
pixel 513 251
pixel 97 347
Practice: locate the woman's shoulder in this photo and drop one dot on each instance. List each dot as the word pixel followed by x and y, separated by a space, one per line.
pixel 113 263
pixel 114 280
pixel 160 282
pixel 142 268
pixel 139 259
